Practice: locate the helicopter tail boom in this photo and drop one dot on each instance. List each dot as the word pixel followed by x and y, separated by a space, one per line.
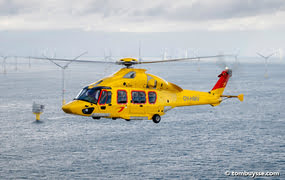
pixel 214 97
pixel 219 87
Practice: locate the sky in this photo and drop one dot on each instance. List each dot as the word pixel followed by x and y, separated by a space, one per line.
pixel 117 27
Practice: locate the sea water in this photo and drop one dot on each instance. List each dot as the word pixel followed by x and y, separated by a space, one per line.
pixel 199 142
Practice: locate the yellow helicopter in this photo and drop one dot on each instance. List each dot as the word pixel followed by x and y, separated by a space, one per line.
pixel 133 94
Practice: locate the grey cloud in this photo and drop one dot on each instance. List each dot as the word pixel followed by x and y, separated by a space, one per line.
pixel 201 10
pixel 129 10
pixel 14 7
pixel 104 8
pixel 8 7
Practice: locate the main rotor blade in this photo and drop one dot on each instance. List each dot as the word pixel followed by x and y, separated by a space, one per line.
pixel 182 59
pixel 69 60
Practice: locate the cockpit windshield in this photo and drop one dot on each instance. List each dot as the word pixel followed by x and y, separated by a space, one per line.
pixel 89 95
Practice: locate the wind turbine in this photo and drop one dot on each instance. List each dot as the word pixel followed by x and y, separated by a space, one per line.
pixel 280 51
pixel 198 60
pixel 63 68
pixel 186 53
pixel 164 54
pixel 107 57
pixel 236 64
pixel 16 63
pixel 29 62
pixel 266 62
pixel 4 64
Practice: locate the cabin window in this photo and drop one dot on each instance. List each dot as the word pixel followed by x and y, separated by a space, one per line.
pixel 122 97
pixel 131 75
pixel 138 97
pixel 105 97
pixel 152 97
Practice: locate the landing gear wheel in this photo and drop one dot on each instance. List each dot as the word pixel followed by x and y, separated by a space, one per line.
pixel 114 118
pixel 97 118
pixel 156 118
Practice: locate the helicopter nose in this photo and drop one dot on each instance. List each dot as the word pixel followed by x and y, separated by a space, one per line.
pixel 67 108
pixel 78 107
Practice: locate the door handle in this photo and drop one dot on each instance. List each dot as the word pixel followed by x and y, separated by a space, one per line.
pixel 141 105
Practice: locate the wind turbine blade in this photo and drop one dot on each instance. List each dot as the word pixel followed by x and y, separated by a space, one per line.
pixel 67 64
pixel 53 62
pixel 270 55
pixel 261 55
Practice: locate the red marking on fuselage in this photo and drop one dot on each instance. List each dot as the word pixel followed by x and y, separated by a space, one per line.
pixel 122 108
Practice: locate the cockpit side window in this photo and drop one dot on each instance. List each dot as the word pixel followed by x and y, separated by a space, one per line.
pixel 105 97
pixel 131 75
pixel 109 97
pixel 122 97
pixel 89 95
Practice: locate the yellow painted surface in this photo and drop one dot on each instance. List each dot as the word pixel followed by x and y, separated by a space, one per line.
pixel 38 116
pixel 129 60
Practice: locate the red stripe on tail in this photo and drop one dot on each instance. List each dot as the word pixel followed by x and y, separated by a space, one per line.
pixel 224 77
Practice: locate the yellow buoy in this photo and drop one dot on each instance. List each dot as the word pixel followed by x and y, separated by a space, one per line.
pixel 38 110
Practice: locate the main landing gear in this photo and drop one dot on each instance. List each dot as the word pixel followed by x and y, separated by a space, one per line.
pixel 156 118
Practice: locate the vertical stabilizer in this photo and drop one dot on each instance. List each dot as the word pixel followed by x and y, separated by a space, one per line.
pixel 222 82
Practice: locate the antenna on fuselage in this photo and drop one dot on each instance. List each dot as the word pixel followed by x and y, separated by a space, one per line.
pixel 63 67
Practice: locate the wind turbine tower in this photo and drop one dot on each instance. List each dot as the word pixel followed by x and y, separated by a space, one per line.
pixel 4 64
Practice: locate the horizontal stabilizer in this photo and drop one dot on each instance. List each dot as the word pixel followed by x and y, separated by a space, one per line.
pixel 240 96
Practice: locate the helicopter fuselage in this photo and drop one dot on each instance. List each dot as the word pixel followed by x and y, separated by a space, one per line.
pixel 133 94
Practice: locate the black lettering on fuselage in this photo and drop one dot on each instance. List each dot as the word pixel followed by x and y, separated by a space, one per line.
pixel 191 98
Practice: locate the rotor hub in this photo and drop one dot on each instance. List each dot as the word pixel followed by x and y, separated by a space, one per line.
pixel 127 62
